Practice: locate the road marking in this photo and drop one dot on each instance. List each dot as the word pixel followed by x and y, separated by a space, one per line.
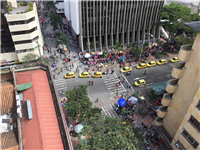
pixel 139 78
pixel 128 83
pixel 149 84
pixel 104 110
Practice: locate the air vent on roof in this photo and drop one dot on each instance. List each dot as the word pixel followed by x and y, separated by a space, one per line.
pixel 29 109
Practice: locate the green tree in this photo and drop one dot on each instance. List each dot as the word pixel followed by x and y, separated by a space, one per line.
pixel 79 105
pixel 176 15
pixel 118 46
pixel 132 44
pixel 135 50
pixel 63 39
pixel 56 21
pixel 153 98
pixel 107 133
pixel 51 5
pixel 30 57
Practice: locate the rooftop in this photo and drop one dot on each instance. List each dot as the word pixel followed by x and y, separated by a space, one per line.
pixel 9 139
pixel 19 9
pixel 194 25
pixel 42 131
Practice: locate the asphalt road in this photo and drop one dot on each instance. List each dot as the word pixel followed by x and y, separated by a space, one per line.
pixel 153 75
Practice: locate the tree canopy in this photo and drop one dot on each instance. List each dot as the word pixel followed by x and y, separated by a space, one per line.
pixel 79 106
pixel 56 21
pixel 63 39
pixel 107 133
pixel 51 4
pixel 175 15
pixel 31 57
pixel 118 46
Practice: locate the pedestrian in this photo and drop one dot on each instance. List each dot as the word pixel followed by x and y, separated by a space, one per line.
pixel 137 92
pixel 123 80
pixel 119 82
pixel 48 50
pixel 58 72
pixel 69 51
pixel 92 83
pixel 56 60
pixel 61 69
pixel 53 76
pixel 117 93
pixel 145 72
pixel 89 83
pixel 119 77
pixel 76 69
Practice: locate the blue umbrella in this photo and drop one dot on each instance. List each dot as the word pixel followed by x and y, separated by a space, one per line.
pixel 121 102
pixel 122 57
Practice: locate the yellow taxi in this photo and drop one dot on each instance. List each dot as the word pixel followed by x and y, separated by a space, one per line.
pixel 141 65
pixel 126 69
pixel 175 59
pixel 97 75
pixel 69 75
pixel 84 75
pixel 151 64
pixel 140 82
pixel 161 62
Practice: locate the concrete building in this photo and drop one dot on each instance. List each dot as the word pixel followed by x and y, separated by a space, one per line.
pixel 98 24
pixel 25 32
pixel 178 120
pixel 60 6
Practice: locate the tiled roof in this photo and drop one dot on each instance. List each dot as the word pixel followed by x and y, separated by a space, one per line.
pixel 9 140
pixel 41 132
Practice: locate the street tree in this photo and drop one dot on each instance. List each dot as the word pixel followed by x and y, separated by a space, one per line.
pixel 175 15
pixel 118 46
pixel 63 39
pixel 79 106
pixel 56 21
pixel 51 5
pixel 153 97
pixel 106 133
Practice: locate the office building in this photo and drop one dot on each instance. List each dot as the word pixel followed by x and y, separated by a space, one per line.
pixel 98 24
pixel 178 120
pixel 22 25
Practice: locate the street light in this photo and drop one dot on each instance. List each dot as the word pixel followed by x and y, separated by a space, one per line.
pixel 143 43
pixel 38 48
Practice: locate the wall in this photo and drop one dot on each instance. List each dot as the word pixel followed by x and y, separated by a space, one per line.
pixel 67 9
pixel 185 124
pixel 74 6
pixel 187 87
pixel 5 57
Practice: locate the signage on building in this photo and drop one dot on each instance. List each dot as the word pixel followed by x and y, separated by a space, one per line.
pixel 61 10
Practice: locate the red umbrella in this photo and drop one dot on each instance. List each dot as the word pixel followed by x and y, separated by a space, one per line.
pixel 42 19
pixel 66 60
pixel 117 56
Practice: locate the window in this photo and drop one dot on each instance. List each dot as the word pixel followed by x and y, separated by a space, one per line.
pixel 195 123
pixel 198 105
pixel 190 139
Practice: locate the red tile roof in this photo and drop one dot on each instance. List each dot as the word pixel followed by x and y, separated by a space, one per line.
pixel 41 132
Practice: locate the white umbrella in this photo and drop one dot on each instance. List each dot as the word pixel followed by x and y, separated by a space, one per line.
pixel 87 55
pixel 78 128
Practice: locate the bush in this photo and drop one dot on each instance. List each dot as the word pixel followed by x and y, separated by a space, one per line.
pixel 135 95
pixel 161 54
pixel 17 12
pixel 30 8
pixel 22 12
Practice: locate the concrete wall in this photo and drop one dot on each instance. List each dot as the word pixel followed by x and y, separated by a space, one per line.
pixel 74 7
pixel 67 10
pixel 187 126
pixel 188 86
pixel 5 57
pixel 13 3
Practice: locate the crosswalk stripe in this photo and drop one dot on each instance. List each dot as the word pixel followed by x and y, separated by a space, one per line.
pixel 108 112
pixel 63 84
pixel 61 89
pixel 104 111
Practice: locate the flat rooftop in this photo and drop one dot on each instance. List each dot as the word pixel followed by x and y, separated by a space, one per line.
pixel 19 9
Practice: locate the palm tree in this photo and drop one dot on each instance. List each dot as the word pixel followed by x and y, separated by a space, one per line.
pixel 132 44
pixel 118 46
pixel 63 40
pixel 56 21
pixel 52 4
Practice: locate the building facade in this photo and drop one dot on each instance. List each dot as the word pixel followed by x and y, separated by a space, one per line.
pixel 99 24
pixel 25 32
pixel 179 113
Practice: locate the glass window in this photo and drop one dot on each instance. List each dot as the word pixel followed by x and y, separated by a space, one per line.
pixel 195 123
pixel 190 139
pixel 138 82
pixel 198 105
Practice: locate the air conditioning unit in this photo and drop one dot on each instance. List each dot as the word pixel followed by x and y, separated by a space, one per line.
pixel 18 104
pixel 19 113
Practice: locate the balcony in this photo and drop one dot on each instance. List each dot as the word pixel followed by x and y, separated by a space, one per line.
pixel 178 70
pixel 185 52
pixel 158 121
pixel 24 37
pixel 25 46
pixel 23 27
pixel 166 100
pixel 172 85
pixel 162 111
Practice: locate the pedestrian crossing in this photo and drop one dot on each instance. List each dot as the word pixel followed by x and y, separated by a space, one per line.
pixel 61 84
pixel 110 111
pixel 110 81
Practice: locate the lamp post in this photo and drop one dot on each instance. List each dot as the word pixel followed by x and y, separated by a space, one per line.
pixel 38 48
pixel 143 43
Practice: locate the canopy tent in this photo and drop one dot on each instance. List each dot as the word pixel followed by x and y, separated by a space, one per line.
pixel 159 87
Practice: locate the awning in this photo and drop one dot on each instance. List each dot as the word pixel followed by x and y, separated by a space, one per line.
pixel 159 87
pixel 23 87
pixel 5 63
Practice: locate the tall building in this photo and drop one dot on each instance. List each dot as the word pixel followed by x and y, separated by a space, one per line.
pixel 98 24
pixel 7 45
pixel 22 24
pixel 178 120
